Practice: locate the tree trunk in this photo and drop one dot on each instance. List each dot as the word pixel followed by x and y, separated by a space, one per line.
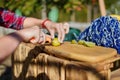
pixel 95 12
pixel 73 16
pixel 89 13
pixel 102 7
pixel 43 11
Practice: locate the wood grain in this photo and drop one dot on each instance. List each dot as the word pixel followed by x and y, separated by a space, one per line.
pixel 81 53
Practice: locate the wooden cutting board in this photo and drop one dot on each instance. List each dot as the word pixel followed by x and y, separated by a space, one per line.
pixel 81 52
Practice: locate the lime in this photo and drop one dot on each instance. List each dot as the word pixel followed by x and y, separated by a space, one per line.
pixel 82 42
pixel 55 42
pixel 89 44
pixel 74 42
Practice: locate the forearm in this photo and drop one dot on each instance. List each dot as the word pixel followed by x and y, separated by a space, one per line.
pixel 8 44
pixel 30 22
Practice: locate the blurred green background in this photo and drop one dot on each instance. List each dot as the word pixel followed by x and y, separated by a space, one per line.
pixel 66 10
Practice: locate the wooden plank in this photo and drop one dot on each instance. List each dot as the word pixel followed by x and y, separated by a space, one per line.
pixel 81 53
pixel 54 68
pixel 73 72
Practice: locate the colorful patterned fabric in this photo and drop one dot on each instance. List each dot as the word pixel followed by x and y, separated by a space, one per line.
pixel 104 31
pixel 10 20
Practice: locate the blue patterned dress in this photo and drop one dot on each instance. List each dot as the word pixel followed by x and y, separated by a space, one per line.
pixel 104 31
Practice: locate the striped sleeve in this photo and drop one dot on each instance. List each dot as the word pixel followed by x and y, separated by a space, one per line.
pixel 9 19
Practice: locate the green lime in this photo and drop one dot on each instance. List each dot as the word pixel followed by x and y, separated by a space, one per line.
pixel 89 44
pixel 55 42
pixel 73 42
pixel 82 42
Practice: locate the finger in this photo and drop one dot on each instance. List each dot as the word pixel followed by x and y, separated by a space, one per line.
pixel 59 31
pixel 48 38
pixel 52 32
pixel 42 38
pixel 62 33
pixel 66 27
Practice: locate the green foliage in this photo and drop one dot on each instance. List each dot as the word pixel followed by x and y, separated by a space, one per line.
pixel 113 7
pixel 26 7
pixel 33 7
pixel 108 3
pixel 81 15
pixel 58 3
pixel 63 16
pixel 1 3
pixel 72 5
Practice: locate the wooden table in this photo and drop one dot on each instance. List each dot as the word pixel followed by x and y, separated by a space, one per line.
pixel 66 62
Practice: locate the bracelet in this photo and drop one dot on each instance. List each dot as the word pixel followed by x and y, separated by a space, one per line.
pixel 43 23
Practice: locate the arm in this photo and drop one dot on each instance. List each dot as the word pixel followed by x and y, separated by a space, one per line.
pixel 10 42
pixel 11 20
pixel 30 21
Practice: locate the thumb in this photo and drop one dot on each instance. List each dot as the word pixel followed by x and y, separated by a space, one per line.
pixel 52 33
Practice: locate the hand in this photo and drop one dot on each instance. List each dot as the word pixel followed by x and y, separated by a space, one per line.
pixel 60 28
pixel 33 34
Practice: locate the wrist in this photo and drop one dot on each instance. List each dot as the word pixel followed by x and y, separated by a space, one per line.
pixel 44 22
pixel 18 36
